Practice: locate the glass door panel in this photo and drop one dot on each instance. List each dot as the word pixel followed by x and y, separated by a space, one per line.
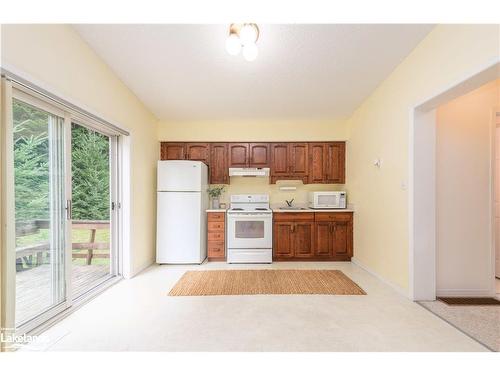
pixel 39 210
pixel 92 258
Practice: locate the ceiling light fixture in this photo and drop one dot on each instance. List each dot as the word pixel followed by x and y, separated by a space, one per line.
pixel 243 36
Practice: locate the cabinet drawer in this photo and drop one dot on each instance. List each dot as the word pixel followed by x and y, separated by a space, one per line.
pixel 333 216
pixel 216 216
pixel 216 236
pixel 216 226
pixel 216 249
pixel 292 216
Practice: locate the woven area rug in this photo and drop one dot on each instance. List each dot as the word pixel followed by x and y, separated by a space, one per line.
pixel 240 282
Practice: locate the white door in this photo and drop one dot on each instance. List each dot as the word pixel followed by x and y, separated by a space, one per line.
pixel 181 175
pixel 180 236
pixel 497 200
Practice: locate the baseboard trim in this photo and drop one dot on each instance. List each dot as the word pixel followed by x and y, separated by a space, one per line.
pixel 465 293
pixel 397 288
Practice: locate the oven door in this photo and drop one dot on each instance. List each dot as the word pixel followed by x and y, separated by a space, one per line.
pixel 250 231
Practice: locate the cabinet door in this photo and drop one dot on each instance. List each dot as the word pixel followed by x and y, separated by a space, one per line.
pixel 323 239
pixel 335 163
pixel 283 241
pixel 238 155
pixel 303 239
pixel 279 159
pixel 172 151
pixel 299 159
pixel 259 155
pixel 198 151
pixel 317 163
pixel 342 239
pixel 219 173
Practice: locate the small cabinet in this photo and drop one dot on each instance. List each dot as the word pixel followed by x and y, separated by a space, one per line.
pixel 289 161
pixel 172 151
pixel 299 159
pixel 283 241
pixel 219 173
pixel 279 159
pixel 327 163
pixel 198 151
pixel 335 163
pixel 293 236
pixel 259 155
pixel 333 234
pixel 254 155
pixel 238 155
pixel 216 234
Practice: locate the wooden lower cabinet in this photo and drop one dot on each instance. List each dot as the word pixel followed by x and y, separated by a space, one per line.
pixel 318 236
pixel 216 237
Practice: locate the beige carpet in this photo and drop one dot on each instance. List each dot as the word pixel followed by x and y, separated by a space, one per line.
pixel 238 282
pixel 479 322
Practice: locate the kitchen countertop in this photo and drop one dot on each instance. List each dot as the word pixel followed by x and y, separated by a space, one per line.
pixel 216 210
pixel 307 209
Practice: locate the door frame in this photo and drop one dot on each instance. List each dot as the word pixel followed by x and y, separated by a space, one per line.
pixel 422 189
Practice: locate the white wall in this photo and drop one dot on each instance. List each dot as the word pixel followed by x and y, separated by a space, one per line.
pixel 57 58
pixel 463 195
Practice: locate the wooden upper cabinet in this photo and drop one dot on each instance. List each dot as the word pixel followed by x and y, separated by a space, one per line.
pixel 335 163
pixel 172 151
pixel 299 159
pixel 238 155
pixel 280 159
pixel 317 163
pixel 219 173
pixel 198 151
pixel 259 155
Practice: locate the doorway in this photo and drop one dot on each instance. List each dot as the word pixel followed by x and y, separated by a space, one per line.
pixel 66 185
pixel 423 217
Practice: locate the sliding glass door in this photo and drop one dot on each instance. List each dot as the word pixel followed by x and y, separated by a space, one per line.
pixel 65 183
pixel 91 186
pixel 39 178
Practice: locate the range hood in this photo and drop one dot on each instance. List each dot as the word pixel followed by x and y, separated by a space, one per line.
pixel 249 172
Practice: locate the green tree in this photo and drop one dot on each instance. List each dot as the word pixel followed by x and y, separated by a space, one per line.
pixel 90 170
pixel 31 158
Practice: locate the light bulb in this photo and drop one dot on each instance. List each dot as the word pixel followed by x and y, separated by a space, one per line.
pixel 233 44
pixel 248 34
pixel 250 51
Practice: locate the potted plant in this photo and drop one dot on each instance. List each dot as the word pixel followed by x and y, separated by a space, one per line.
pixel 215 192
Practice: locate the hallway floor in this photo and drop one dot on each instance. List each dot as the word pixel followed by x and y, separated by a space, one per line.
pixel 138 315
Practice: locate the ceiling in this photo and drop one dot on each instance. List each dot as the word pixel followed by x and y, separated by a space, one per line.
pixel 183 73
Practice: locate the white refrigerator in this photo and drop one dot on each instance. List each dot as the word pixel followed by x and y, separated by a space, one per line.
pixel 182 198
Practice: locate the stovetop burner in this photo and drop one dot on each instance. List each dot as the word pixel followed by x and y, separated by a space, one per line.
pixel 261 209
pixel 237 209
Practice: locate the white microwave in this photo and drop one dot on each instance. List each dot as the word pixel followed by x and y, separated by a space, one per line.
pixel 327 199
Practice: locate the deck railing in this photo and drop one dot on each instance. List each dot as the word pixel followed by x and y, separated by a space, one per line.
pixel 33 254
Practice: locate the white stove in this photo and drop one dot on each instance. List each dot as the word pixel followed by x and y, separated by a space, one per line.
pixel 250 229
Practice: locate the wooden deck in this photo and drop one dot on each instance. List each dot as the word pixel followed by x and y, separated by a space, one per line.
pixel 33 287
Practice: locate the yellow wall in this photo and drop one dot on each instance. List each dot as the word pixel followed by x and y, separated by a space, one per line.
pixel 56 56
pixel 277 197
pixel 380 128
pixel 253 130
